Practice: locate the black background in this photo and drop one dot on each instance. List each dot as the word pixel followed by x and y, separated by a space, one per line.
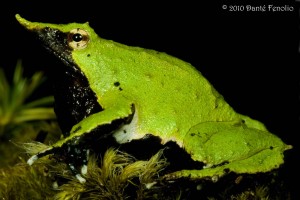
pixel 251 58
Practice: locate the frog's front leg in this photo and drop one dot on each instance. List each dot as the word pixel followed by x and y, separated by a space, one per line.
pixel 76 156
pixel 73 149
pixel 230 147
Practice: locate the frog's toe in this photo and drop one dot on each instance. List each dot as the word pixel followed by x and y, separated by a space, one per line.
pixel 80 178
pixel 84 170
pixel 35 157
pixel 84 167
pixel 32 159
pixel 77 174
pixel 77 160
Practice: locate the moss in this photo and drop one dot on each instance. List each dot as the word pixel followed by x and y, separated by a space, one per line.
pixel 119 176
pixel 24 182
pixel 118 173
pixel 21 116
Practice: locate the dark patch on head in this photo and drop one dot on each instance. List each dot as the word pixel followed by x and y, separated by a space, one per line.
pixel 88 55
pixel 74 99
pixel 56 42
pixel 193 134
pixel 271 147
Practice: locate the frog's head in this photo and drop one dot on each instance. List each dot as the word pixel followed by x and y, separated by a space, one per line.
pixel 62 39
pixel 65 40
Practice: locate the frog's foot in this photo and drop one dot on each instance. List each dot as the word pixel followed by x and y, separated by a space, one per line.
pixel 74 155
pixel 77 174
pixel 77 158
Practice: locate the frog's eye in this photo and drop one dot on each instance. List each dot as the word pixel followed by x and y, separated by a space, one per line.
pixel 78 38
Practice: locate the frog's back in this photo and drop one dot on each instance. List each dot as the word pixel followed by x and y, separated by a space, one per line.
pixel 188 96
pixel 170 95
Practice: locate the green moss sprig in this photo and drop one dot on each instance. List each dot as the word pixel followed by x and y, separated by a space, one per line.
pixel 15 110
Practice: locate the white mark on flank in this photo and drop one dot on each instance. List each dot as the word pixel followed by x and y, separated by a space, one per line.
pixel 128 132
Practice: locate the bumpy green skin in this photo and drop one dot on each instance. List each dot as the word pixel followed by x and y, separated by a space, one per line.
pixel 173 101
